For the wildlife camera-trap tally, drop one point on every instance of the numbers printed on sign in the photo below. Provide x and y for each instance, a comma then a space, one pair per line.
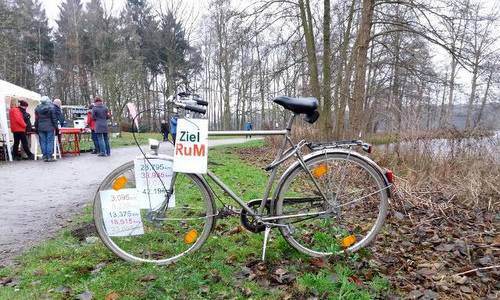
121, 212
156, 191
157, 167
153, 177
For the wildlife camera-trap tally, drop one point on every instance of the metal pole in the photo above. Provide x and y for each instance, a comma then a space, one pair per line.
246, 132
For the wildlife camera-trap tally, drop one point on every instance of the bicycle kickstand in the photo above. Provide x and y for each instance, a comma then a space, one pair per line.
266, 238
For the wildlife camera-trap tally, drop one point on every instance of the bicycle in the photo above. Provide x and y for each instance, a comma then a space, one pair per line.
327, 202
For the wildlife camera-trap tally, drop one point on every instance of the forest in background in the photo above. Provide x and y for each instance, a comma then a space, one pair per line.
371, 63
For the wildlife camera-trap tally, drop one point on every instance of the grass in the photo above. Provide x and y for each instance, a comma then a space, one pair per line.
127, 139
64, 267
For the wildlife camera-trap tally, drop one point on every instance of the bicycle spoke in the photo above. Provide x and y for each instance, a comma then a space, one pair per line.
159, 237
347, 221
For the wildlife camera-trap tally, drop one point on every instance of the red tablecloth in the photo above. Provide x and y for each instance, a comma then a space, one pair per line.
69, 130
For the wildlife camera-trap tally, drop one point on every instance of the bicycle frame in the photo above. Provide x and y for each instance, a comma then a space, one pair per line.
281, 156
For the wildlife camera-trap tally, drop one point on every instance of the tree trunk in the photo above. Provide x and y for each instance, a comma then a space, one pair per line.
360, 69
340, 98
307, 26
326, 114
442, 113
485, 98
449, 110
472, 96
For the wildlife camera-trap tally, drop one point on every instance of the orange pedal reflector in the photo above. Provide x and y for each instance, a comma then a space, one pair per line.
320, 170
191, 236
348, 241
120, 183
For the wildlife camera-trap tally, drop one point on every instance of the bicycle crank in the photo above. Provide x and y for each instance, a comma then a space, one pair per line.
248, 221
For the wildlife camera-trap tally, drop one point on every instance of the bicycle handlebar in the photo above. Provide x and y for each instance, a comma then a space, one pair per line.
192, 108
197, 109
201, 102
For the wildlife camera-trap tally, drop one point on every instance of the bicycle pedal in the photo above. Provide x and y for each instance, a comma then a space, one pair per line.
227, 211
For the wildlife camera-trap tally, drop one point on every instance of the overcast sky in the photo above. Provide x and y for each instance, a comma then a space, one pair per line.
52, 8
193, 7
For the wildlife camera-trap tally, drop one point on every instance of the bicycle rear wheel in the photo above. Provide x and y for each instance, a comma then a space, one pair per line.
124, 214
350, 217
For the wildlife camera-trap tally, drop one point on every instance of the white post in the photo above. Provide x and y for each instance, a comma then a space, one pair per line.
8, 147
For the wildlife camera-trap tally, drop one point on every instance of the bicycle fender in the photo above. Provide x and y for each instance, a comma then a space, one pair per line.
329, 151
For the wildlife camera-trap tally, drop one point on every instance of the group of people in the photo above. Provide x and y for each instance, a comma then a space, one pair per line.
48, 120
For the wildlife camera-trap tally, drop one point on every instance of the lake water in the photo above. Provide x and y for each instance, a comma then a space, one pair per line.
450, 147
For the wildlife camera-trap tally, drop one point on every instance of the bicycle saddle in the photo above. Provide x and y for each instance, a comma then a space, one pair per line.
301, 105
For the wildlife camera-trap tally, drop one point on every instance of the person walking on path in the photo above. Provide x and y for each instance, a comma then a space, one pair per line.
18, 127
45, 126
248, 127
59, 117
164, 130
100, 114
91, 124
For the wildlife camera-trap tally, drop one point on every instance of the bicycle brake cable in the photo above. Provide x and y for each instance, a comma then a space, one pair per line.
145, 156
227, 209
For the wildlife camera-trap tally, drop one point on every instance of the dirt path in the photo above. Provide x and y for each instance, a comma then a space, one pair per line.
38, 198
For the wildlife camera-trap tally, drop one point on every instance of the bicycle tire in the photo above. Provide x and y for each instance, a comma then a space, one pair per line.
317, 239
157, 244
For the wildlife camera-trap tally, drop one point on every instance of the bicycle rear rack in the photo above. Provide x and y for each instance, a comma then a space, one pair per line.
314, 146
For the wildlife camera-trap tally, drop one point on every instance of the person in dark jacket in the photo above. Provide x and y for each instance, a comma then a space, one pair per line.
164, 130
59, 117
173, 126
18, 127
23, 106
91, 124
45, 126
248, 127
100, 114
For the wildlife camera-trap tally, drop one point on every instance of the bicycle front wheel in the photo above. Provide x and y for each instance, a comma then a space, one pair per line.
347, 220
130, 223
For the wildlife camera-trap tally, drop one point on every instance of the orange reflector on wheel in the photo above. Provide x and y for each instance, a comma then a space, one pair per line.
348, 241
191, 236
320, 170
119, 183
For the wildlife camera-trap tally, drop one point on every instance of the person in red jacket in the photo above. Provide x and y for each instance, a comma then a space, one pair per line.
91, 124
18, 128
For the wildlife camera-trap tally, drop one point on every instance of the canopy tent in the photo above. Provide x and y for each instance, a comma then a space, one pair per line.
10, 94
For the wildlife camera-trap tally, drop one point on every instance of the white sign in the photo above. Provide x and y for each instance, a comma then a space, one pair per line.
191, 146
149, 177
121, 212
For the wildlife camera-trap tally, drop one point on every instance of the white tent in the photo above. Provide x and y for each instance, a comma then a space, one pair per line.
8, 92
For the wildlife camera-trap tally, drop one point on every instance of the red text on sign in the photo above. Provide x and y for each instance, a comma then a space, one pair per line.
194, 150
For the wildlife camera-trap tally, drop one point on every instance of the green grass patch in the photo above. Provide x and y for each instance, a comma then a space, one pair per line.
67, 266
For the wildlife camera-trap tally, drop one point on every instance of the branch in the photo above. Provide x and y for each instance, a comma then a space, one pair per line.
404, 28
477, 269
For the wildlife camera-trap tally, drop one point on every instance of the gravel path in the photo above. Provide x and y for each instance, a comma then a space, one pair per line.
38, 198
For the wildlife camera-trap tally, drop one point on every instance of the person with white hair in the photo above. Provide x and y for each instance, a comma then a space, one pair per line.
45, 126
